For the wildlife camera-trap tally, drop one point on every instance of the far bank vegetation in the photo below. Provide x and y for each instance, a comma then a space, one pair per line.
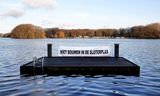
150, 31
25, 31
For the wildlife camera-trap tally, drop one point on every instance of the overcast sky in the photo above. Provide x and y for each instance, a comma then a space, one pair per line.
78, 13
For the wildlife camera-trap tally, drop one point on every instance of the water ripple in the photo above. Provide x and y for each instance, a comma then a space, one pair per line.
16, 52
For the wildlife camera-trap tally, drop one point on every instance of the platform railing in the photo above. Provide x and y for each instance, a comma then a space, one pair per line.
42, 64
34, 64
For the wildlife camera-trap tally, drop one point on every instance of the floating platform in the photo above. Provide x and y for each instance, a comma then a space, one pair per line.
80, 66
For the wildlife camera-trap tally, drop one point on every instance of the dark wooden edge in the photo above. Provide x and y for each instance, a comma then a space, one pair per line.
31, 61
129, 61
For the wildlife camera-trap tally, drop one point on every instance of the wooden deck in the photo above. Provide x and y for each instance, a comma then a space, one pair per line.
81, 65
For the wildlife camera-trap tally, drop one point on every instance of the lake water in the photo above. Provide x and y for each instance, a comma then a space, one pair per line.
15, 52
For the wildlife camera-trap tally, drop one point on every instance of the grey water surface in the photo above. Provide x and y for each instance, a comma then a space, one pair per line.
15, 52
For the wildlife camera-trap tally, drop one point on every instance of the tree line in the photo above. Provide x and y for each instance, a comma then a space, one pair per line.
150, 31
25, 31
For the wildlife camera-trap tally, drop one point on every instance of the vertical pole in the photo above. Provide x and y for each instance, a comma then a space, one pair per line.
116, 50
49, 50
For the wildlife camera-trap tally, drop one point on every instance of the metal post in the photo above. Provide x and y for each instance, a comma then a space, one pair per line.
34, 66
49, 50
42, 61
116, 50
